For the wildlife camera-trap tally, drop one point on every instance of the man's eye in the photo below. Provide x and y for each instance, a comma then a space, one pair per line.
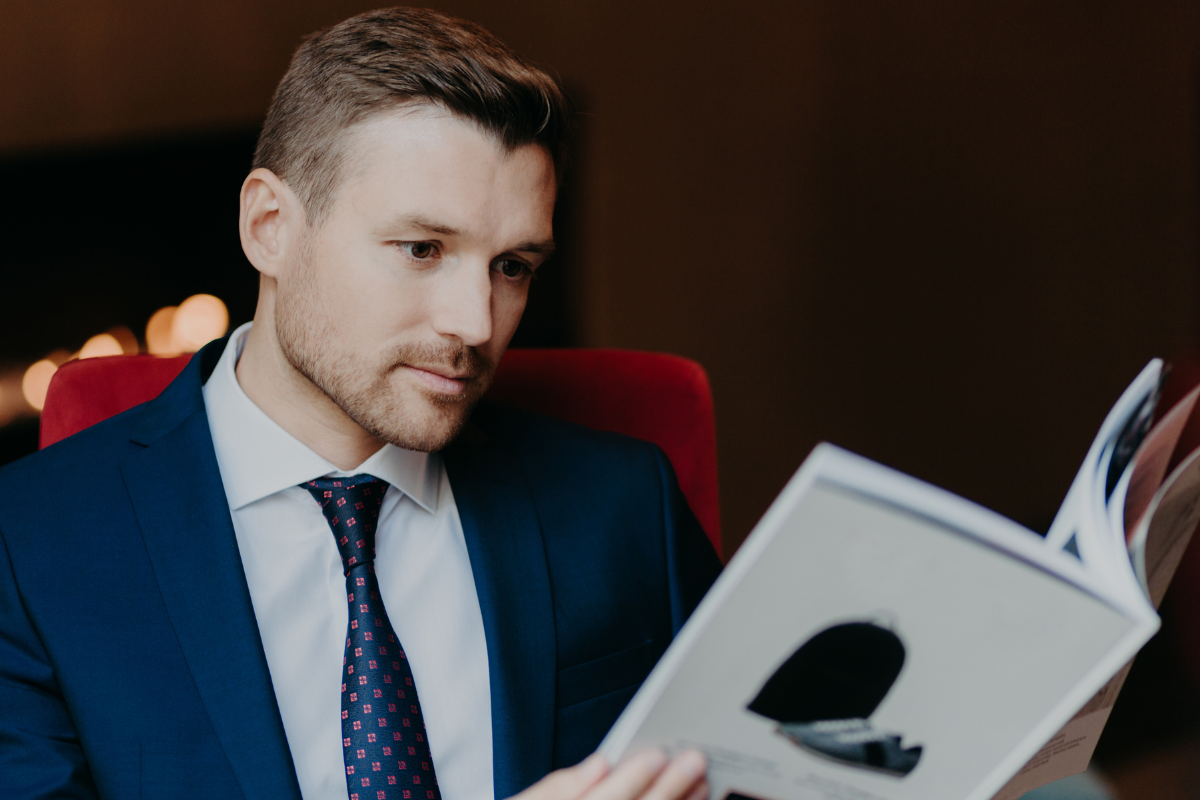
512, 269
420, 250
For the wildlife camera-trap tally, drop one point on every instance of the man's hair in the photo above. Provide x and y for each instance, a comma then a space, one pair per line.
384, 59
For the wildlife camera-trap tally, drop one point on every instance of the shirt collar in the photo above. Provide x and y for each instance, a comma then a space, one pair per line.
258, 458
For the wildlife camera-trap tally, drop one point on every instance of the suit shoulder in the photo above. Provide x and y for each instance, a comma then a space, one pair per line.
79, 455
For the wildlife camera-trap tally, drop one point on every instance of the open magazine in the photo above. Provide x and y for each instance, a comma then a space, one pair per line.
877, 638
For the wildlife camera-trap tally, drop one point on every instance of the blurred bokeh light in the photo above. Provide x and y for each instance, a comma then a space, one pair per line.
187, 327
37, 381
171, 330
159, 339
103, 344
198, 320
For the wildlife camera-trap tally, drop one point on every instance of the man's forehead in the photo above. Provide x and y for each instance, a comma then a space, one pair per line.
429, 169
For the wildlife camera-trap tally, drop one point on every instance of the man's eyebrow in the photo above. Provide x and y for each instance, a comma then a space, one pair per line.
537, 248
424, 224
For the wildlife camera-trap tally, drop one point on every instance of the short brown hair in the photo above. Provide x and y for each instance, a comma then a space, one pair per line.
382, 59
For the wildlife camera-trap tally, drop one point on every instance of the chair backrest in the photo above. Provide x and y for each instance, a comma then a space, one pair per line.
659, 398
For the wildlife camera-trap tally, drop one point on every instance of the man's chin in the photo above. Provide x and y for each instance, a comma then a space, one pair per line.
430, 441
431, 429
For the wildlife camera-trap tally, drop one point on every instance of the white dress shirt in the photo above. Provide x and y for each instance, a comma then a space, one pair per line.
299, 591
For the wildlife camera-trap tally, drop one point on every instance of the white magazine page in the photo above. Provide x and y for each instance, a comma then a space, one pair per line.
1115, 513
1104, 550
859, 648
1067, 521
1093, 541
1070, 750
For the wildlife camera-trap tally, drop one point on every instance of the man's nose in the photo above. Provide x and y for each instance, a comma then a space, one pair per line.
464, 305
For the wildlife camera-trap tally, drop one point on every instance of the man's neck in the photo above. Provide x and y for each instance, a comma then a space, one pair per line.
297, 405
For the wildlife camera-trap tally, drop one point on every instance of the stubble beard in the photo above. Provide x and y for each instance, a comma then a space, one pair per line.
359, 383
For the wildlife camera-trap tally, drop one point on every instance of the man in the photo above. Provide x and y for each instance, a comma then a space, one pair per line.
301, 571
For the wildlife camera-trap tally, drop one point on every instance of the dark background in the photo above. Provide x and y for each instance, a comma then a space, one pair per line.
942, 234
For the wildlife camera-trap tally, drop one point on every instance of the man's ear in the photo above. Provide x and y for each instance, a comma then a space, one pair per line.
271, 221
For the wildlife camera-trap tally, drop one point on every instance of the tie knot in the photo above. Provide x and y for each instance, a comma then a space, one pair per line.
351, 507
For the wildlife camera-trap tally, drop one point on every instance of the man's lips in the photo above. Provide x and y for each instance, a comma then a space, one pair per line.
440, 379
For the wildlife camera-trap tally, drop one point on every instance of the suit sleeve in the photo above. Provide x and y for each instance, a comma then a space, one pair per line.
40, 754
692, 564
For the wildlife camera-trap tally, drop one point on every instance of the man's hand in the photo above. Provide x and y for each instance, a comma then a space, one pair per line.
645, 776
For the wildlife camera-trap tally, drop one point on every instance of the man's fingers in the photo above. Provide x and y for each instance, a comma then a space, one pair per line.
681, 778
590, 771
646, 776
570, 783
700, 792
631, 778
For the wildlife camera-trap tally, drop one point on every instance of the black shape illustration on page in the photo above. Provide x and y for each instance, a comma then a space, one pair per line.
823, 695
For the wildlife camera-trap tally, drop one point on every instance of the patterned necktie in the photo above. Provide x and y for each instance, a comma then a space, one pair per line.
383, 733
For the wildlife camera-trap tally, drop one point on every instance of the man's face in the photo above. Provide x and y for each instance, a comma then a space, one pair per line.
409, 291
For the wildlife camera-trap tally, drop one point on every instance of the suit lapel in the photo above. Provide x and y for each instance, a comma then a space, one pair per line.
508, 560
179, 501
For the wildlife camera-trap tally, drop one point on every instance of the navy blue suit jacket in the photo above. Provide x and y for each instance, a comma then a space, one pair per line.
130, 661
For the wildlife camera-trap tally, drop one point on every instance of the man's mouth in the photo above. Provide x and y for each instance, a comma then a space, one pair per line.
442, 380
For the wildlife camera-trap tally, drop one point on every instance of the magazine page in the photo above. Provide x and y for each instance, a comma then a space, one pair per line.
1100, 532
1162, 537
1167, 522
1149, 467
1073, 526
878, 638
1105, 545
1069, 751
1138, 497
